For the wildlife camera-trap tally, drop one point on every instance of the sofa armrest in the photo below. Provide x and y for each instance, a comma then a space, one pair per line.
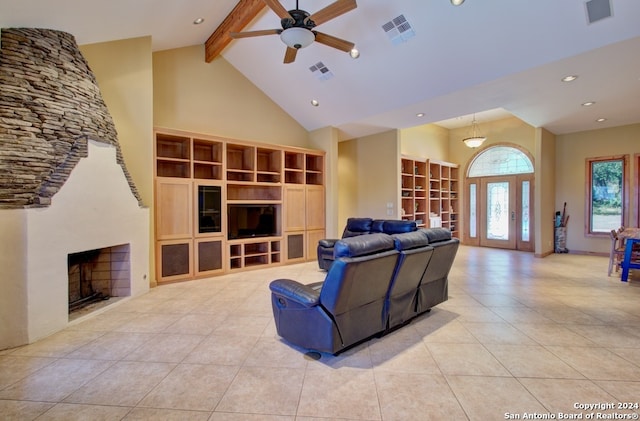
295, 291
328, 242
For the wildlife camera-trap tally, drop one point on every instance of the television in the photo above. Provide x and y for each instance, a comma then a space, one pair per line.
248, 221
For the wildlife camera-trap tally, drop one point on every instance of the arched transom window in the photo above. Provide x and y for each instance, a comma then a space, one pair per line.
500, 160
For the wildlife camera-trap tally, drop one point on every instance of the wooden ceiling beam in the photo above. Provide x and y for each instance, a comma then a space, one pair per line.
244, 12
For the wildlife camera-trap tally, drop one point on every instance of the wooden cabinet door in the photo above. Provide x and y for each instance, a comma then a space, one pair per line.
315, 208
294, 208
174, 209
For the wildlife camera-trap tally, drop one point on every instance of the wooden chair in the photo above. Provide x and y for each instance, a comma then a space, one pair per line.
616, 254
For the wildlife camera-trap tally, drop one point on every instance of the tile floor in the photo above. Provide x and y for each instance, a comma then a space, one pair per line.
519, 337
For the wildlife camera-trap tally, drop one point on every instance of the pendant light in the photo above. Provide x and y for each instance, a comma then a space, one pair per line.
476, 140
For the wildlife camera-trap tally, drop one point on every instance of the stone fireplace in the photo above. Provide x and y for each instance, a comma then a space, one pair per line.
64, 186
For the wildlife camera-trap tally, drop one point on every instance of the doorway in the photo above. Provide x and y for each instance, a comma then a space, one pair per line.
499, 205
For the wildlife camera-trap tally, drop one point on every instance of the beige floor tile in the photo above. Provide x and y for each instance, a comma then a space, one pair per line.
490, 398
583, 324
149, 323
452, 332
111, 346
58, 344
243, 325
197, 323
560, 395
466, 359
22, 410
154, 414
497, 333
607, 336
272, 352
626, 392
532, 361
553, 334
55, 381
259, 390
227, 416
597, 363
222, 349
402, 356
75, 412
344, 393
192, 387
14, 368
168, 348
123, 384
407, 396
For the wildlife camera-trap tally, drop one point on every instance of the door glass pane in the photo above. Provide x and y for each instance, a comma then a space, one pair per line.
498, 211
473, 231
525, 211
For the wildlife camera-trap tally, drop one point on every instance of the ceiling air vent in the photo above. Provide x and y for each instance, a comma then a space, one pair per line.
321, 71
598, 9
398, 30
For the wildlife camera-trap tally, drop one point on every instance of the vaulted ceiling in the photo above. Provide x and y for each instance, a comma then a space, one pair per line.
490, 57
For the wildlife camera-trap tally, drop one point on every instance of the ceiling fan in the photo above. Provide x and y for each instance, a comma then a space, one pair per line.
297, 27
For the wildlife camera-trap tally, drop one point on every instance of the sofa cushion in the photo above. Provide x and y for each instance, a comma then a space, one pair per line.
410, 240
437, 234
363, 245
396, 227
357, 226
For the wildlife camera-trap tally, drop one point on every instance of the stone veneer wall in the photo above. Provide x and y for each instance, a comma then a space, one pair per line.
50, 103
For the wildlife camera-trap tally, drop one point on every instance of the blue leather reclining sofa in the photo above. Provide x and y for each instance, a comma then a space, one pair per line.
361, 226
377, 283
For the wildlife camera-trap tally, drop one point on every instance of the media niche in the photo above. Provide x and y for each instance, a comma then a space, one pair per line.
249, 221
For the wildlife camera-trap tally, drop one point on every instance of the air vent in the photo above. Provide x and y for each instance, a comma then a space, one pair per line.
598, 9
398, 30
321, 71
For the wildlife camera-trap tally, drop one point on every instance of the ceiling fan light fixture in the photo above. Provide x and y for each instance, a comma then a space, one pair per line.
457, 2
297, 37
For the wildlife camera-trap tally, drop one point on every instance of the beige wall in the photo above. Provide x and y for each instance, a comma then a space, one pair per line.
571, 152
544, 192
369, 169
214, 98
124, 73
426, 141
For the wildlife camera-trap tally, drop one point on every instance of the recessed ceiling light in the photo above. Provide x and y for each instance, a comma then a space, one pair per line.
420, 115
600, 120
588, 103
569, 78
354, 53
198, 21
315, 102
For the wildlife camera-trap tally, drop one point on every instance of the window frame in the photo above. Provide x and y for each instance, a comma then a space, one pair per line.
589, 192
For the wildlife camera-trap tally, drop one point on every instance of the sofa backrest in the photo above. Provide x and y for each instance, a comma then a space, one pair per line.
357, 226
355, 287
415, 254
444, 252
393, 226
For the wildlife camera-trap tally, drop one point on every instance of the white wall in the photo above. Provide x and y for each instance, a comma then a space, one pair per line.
94, 209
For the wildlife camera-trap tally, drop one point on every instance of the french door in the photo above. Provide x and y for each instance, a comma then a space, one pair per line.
499, 212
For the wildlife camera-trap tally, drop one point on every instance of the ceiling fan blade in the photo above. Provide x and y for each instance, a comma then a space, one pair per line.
333, 10
278, 9
254, 33
334, 42
290, 55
